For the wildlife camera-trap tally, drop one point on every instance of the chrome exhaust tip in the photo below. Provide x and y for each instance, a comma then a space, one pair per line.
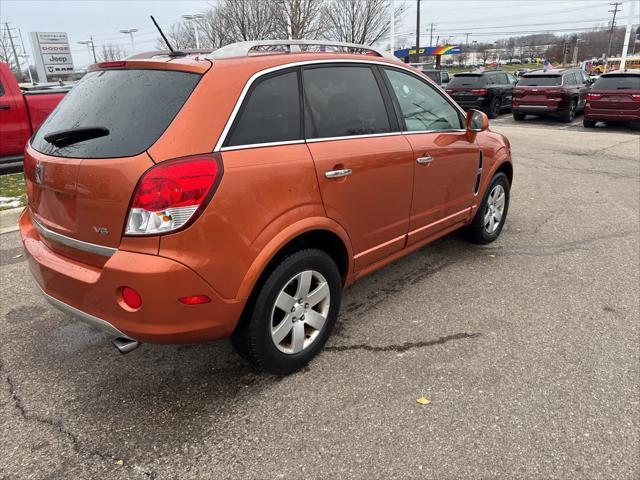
125, 345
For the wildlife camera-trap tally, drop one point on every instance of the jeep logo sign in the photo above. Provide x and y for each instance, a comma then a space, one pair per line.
52, 55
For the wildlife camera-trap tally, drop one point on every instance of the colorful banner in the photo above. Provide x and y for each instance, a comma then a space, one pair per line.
427, 51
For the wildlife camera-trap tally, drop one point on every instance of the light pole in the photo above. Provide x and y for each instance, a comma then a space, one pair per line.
194, 21
130, 32
90, 44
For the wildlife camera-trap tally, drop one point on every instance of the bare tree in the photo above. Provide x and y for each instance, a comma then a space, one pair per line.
299, 18
248, 20
6, 53
110, 52
358, 21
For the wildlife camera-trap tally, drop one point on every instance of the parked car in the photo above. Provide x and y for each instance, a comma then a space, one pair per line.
21, 113
615, 98
441, 77
234, 194
490, 91
561, 92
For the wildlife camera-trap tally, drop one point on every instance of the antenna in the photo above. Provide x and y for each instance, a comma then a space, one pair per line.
173, 53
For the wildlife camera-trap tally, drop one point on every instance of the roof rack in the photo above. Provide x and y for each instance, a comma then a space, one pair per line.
166, 53
257, 47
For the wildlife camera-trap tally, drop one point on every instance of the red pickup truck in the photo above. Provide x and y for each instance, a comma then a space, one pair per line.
21, 113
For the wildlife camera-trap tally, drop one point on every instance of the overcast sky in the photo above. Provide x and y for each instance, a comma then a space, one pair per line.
484, 20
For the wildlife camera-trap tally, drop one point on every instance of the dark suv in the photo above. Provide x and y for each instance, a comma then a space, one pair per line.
559, 92
489, 91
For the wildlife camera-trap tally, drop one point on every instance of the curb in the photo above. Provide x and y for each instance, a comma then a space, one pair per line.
9, 219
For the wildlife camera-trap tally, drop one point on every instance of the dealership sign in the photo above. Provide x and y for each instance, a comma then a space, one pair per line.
52, 54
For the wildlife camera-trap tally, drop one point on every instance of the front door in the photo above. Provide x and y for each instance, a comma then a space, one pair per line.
364, 166
445, 161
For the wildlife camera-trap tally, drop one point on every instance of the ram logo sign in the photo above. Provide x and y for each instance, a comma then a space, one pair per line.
52, 54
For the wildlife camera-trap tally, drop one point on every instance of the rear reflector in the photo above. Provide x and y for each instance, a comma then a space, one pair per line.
194, 299
171, 195
131, 297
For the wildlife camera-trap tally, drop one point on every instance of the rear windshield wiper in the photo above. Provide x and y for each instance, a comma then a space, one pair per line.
70, 136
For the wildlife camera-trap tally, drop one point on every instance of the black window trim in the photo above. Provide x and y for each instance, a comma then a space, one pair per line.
235, 112
396, 104
245, 101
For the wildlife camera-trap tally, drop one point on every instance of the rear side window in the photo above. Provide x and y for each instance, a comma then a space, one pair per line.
421, 107
132, 107
271, 113
467, 81
1, 89
541, 81
343, 101
618, 82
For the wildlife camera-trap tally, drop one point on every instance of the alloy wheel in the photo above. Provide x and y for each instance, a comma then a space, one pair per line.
494, 209
300, 312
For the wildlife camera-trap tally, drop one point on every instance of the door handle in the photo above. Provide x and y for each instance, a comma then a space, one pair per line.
4, 107
424, 160
338, 173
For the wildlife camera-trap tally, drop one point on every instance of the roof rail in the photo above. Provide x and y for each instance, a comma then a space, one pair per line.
161, 53
243, 49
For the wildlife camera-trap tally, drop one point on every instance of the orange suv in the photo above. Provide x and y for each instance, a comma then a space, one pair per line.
188, 197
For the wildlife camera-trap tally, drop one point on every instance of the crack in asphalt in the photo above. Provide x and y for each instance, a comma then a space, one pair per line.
403, 347
57, 425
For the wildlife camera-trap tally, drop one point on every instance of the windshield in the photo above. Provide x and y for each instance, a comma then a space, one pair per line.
114, 113
540, 81
618, 82
467, 81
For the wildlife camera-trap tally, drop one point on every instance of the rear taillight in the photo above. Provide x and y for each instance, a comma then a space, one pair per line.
450, 90
171, 195
593, 96
479, 91
635, 97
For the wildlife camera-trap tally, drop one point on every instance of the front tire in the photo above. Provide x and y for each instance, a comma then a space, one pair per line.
492, 212
293, 315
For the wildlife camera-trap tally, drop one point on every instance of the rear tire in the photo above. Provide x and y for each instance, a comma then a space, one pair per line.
519, 116
586, 123
569, 115
282, 334
492, 212
494, 107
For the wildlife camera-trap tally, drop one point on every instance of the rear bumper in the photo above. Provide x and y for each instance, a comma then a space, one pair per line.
92, 293
611, 115
535, 109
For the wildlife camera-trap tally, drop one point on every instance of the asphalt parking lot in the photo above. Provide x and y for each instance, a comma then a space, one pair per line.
528, 350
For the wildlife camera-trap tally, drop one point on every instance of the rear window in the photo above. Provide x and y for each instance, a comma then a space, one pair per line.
134, 106
618, 82
467, 81
541, 81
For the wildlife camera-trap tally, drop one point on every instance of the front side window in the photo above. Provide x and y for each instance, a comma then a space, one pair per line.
271, 112
343, 101
421, 107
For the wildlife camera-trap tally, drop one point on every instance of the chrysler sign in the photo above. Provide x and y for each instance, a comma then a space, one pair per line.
52, 54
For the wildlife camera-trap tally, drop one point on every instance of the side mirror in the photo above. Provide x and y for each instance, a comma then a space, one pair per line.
477, 121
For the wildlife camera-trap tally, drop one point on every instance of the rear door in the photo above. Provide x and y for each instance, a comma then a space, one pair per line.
444, 160
364, 166
86, 159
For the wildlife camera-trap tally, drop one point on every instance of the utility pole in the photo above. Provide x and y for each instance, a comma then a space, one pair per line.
613, 24
13, 47
417, 58
392, 27
627, 35
431, 36
89, 43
